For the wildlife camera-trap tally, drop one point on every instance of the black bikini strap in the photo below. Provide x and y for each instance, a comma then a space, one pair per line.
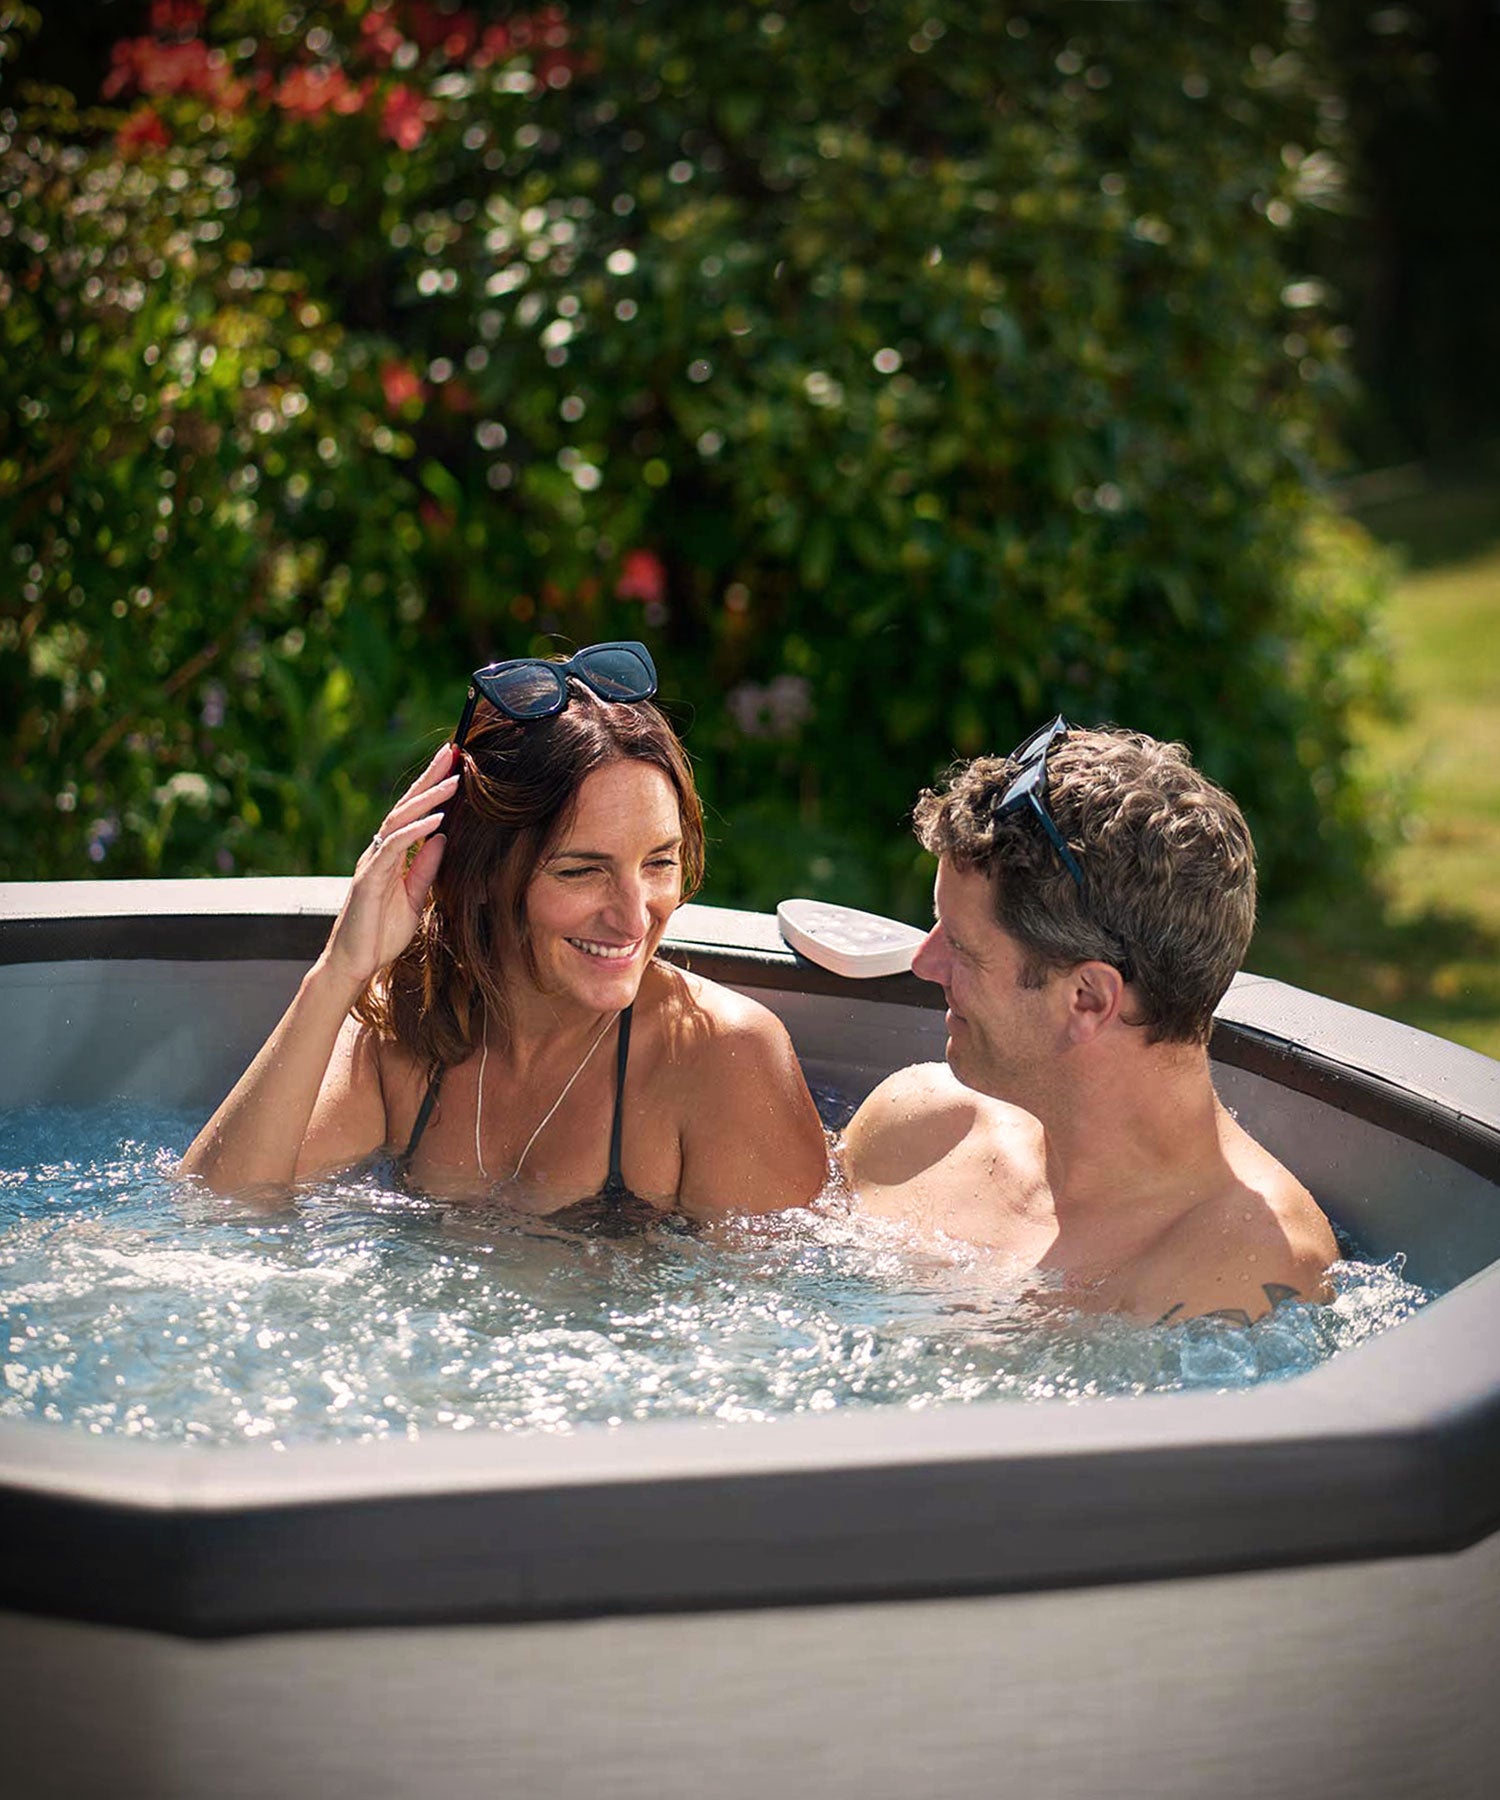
424, 1113
616, 1179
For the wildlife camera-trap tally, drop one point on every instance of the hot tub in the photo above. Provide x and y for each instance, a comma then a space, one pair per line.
1291, 1589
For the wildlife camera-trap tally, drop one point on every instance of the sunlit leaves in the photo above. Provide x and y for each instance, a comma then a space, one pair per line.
944, 360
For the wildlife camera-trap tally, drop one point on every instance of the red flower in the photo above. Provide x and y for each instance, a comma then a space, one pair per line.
141, 131
495, 46
189, 67
454, 33
402, 385
643, 577
308, 92
554, 26
382, 37
405, 117
176, 17
555, 68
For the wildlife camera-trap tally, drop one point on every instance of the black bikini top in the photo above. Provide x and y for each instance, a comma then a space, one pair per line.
614, 1209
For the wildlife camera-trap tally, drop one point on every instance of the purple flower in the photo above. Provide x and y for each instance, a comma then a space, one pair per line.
102, 833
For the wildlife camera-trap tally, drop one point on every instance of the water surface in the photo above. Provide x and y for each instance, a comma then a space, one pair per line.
132, 1304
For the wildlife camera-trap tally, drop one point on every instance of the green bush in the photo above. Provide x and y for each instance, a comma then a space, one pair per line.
903, 373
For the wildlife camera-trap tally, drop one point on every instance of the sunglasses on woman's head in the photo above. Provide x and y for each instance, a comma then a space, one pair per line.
1025, 792
527, 688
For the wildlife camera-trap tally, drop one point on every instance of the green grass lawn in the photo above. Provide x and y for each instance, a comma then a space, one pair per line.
1427, 950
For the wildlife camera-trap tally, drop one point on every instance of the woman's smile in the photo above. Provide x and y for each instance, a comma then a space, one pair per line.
606, 952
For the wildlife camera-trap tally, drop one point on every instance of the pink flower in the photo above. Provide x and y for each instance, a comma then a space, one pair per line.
643, 576
405, 117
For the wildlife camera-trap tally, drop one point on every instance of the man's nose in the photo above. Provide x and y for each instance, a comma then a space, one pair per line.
931, 960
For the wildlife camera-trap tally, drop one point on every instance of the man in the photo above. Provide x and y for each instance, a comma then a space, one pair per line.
1095, 895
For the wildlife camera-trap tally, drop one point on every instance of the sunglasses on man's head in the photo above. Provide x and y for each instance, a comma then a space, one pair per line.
1026, 792
527, 688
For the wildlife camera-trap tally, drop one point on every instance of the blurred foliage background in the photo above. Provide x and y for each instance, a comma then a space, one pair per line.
902, 373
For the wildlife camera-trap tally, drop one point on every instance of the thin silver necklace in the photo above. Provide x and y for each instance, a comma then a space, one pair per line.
484, 1057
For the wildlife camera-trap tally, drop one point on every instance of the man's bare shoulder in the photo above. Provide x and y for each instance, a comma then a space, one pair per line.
916, 1118
1261, 1239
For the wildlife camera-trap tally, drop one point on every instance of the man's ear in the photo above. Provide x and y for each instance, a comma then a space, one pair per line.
1096, 995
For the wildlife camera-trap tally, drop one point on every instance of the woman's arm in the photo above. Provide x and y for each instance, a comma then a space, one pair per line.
751, 1140
257, 1135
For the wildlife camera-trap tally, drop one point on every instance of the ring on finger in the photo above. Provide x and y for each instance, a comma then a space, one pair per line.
377, 843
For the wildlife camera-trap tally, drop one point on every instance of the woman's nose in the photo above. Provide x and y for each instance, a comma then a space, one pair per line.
629, 910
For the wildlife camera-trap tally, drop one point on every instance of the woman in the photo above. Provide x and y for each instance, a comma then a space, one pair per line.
489, 1006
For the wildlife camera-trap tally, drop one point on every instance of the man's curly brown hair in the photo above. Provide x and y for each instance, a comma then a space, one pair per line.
1168, 867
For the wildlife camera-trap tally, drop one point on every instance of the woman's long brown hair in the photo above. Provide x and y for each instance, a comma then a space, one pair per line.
517, 797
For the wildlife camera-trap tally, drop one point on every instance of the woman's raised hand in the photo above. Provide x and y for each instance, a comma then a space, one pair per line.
387, 892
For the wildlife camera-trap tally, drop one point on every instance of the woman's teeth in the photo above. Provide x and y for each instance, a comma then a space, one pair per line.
606, 952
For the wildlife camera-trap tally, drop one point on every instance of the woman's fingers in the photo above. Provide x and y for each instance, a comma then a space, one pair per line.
396, 840
445, 761
396, 870
443, 767
423, 869
416, 803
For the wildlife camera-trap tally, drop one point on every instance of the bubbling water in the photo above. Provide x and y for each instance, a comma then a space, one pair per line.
135, 1305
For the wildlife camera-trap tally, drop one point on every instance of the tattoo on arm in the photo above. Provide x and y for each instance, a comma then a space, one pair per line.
1274, 1291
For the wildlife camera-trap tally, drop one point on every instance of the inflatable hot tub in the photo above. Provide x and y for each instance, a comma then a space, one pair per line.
1291, 1589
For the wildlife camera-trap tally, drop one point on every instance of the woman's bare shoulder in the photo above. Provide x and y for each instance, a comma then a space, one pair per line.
729, 1075
700, 1015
